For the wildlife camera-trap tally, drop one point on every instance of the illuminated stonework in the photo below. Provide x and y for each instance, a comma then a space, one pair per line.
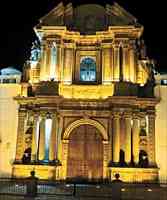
94, 83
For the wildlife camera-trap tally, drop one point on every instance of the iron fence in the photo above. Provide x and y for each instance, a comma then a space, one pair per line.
17, 189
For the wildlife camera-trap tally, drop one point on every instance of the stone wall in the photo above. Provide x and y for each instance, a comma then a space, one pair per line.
161, 131
8, 127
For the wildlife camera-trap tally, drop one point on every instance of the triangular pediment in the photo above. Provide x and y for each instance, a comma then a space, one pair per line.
56, 16
88, 18
118, 16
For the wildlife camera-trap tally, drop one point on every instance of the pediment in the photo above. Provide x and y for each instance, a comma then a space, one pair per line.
88, 18
118, 16
54, 17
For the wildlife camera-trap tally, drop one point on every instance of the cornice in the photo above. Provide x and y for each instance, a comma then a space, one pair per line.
112, 32
105, 104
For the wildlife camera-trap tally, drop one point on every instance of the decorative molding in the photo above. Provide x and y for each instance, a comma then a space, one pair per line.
80, 122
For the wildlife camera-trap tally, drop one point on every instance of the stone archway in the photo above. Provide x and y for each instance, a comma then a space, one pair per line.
80, 122
84, 135
85, 153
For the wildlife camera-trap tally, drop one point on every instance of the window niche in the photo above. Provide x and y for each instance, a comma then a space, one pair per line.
87, 68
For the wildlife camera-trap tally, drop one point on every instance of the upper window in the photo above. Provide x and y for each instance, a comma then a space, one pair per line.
12, 80
88, 69
164, 82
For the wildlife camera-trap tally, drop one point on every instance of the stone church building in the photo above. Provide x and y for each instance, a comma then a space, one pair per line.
86, 104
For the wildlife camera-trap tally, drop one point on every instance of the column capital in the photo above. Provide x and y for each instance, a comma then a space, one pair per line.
49, 43
116, 43
65, 141
44, 43
136, 116
35, 114
116, 115
132, 44
22, 113
54, 115
116, 46
127, 115
59, 116
43, 115
151, 114
105, 142
125, 44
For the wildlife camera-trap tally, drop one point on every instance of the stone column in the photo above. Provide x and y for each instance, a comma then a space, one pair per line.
69, 60
116, 63
53, 139
59, 140
58, 67
132, 65
110, 138
20, 135
48, 59
106, 65
43, 61
53, 61
34, 139
116, 137
126, 70
105, 159
151, 139
112, 63
136, 138
42, 138
127, 118
65, 158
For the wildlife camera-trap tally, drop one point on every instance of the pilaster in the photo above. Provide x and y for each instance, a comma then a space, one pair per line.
34, 139
151, 138
126, 68
43, 60
53, 138
132, 62
116, 138
65, 158
127, 118
105, 159
106, 65
68, 65
42, 137
135, 138
59, 137
48, 59
20, 135
116, 62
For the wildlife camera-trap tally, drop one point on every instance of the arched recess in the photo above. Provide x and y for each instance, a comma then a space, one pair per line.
80, 122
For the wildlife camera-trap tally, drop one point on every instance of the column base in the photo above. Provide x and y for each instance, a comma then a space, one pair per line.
121, 164
55, 163
17, 162
131, 165
133, 175
46, 172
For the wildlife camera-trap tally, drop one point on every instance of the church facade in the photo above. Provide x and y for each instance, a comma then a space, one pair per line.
87, 107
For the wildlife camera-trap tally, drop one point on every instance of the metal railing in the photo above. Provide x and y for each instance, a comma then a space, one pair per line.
18, 187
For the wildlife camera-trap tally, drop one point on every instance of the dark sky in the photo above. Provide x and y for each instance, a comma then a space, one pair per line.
19, 17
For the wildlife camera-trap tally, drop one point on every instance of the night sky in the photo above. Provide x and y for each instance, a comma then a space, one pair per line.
19, 17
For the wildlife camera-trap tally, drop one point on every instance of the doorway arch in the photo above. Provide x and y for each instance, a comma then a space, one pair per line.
100, 131
80, 122
85, 154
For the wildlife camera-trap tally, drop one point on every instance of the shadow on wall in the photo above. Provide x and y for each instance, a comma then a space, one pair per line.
26, 159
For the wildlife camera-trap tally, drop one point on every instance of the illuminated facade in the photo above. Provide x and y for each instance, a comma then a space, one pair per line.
161, 125
9, 87
87, 105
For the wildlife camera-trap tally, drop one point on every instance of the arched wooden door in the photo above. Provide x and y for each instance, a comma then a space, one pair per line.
85, 153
